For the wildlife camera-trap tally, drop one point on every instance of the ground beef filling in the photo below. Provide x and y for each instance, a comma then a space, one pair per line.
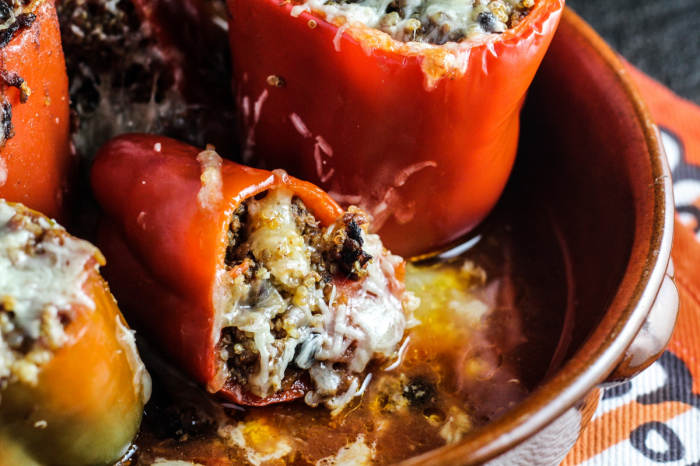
429, 21
100, 37
329, 255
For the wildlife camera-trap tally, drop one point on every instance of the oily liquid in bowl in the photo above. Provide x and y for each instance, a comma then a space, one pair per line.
492, 330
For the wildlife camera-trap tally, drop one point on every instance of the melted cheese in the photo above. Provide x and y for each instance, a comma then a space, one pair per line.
261, 441
43, 282
373, 319
429, 21
211, 193
285, 260
319, 332
273, 229
357, 453
141, 381
457, 426
117, 114
42, 272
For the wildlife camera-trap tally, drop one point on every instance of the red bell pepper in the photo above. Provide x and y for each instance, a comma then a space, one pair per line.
166, 253
422, 139
36, 161
84, 404
165, 233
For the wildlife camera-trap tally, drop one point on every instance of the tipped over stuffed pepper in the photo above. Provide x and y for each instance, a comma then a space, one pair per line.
36, 162
256, 284
72, 384
407, 108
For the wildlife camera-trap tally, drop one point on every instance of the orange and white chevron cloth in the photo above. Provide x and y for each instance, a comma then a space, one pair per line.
655, 418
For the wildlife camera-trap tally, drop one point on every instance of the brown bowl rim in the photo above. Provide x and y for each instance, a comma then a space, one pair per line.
594, 361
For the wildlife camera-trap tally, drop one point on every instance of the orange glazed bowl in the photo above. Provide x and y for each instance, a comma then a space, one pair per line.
585, 223
591, 162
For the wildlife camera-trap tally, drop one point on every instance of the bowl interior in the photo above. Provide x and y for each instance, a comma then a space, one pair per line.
589, 174
589, 156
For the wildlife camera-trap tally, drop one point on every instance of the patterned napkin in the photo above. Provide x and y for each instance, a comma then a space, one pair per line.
655, 418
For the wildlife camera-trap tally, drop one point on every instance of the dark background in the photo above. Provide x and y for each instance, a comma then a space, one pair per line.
660, 37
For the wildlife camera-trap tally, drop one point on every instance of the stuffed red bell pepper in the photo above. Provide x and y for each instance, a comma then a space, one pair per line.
256, 284
408, 108
36, 162
72, 385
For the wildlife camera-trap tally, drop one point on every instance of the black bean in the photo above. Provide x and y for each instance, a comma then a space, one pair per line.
305, 353
487, 21
419, 391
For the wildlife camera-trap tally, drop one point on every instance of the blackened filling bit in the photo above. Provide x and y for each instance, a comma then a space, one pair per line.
7, 129
15, 17
347, 251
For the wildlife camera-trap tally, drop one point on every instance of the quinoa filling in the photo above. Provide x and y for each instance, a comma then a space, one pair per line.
42, 272
428, 21
306, 298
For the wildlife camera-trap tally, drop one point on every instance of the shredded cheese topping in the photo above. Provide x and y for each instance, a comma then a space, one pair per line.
40, 276
293, 323
429, 21
42, 273
211, 194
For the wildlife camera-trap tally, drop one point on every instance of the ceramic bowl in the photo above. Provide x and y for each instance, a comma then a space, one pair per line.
590, 156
